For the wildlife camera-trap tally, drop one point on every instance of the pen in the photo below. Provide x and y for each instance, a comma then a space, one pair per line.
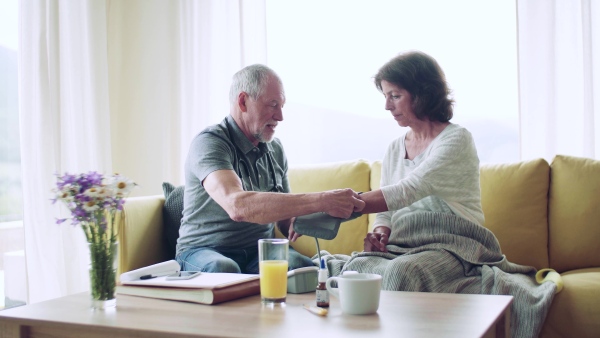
150, 276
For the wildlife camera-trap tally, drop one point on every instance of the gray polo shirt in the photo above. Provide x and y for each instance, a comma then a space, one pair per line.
223, 146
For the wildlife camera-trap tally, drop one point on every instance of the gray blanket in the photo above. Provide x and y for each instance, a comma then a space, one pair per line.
437, 252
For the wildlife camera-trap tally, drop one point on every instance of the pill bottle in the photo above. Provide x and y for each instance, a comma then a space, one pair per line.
322, 294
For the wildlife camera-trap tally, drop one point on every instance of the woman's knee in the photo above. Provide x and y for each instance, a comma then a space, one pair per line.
416, 272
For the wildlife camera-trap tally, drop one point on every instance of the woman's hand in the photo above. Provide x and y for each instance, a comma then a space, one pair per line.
377, 240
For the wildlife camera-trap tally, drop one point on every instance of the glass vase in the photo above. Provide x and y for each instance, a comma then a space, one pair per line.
103, 274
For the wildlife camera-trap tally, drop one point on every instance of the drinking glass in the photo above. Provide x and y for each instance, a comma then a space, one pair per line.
273, 267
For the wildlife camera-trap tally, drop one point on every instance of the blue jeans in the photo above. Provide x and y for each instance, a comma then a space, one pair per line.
232, 260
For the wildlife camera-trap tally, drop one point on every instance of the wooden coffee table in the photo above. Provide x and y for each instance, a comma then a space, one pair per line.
400, 314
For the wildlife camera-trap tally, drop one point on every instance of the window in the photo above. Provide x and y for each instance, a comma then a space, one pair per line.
327, 52
11, 206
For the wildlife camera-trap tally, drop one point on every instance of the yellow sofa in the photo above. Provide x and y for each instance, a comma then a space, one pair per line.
544, 215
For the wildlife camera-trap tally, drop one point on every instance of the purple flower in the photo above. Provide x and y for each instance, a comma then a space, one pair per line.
65, 179
79, 212
82, 198
94, 178
90, 200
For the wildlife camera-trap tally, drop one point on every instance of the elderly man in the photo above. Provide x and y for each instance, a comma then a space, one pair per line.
236, 185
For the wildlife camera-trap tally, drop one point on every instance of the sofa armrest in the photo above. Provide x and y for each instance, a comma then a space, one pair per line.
141, 238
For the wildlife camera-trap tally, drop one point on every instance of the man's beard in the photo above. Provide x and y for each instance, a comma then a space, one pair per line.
262, 138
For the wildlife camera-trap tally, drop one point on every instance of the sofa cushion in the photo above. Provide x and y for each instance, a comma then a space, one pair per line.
172, 214
574, 215
515, 205
329, 176
575, 311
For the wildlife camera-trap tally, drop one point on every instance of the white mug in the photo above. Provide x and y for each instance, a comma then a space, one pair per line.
358, 292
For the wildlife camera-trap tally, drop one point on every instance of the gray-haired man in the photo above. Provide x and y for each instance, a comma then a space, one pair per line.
236, 185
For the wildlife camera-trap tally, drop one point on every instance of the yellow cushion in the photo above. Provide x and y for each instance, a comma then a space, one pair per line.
141, 237
576, 309
574, 217
515, 205
375, 184
329, 176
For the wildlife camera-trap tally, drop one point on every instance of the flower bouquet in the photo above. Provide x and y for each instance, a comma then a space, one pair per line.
94, 202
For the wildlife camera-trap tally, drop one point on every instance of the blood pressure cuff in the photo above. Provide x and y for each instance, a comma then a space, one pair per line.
320, 224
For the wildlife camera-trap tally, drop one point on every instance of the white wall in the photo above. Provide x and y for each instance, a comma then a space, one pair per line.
144, 92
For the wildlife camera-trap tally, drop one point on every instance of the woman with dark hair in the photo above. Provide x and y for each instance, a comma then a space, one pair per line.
434, 166
428, 234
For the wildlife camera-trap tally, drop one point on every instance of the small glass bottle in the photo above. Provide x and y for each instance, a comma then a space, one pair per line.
322, 294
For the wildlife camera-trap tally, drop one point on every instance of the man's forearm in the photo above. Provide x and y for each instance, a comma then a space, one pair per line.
266, 207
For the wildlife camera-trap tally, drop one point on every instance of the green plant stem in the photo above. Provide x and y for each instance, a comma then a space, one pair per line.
101, 236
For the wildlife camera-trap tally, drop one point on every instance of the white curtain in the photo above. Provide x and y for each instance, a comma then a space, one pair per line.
218, 39
117, 86
559, 78
65, 126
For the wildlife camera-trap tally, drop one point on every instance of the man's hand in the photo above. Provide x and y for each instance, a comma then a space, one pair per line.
377, 240
286, 227
342, 202
293, 236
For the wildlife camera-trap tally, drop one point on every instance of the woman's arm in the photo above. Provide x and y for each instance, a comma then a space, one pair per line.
450, 171
375, 202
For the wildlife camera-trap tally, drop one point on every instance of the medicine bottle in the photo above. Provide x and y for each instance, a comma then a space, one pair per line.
322, 294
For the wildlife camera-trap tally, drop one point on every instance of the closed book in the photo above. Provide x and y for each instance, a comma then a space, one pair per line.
207, 288
159, 269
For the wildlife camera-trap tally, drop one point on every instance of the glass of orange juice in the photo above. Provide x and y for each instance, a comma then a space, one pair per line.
273, 267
